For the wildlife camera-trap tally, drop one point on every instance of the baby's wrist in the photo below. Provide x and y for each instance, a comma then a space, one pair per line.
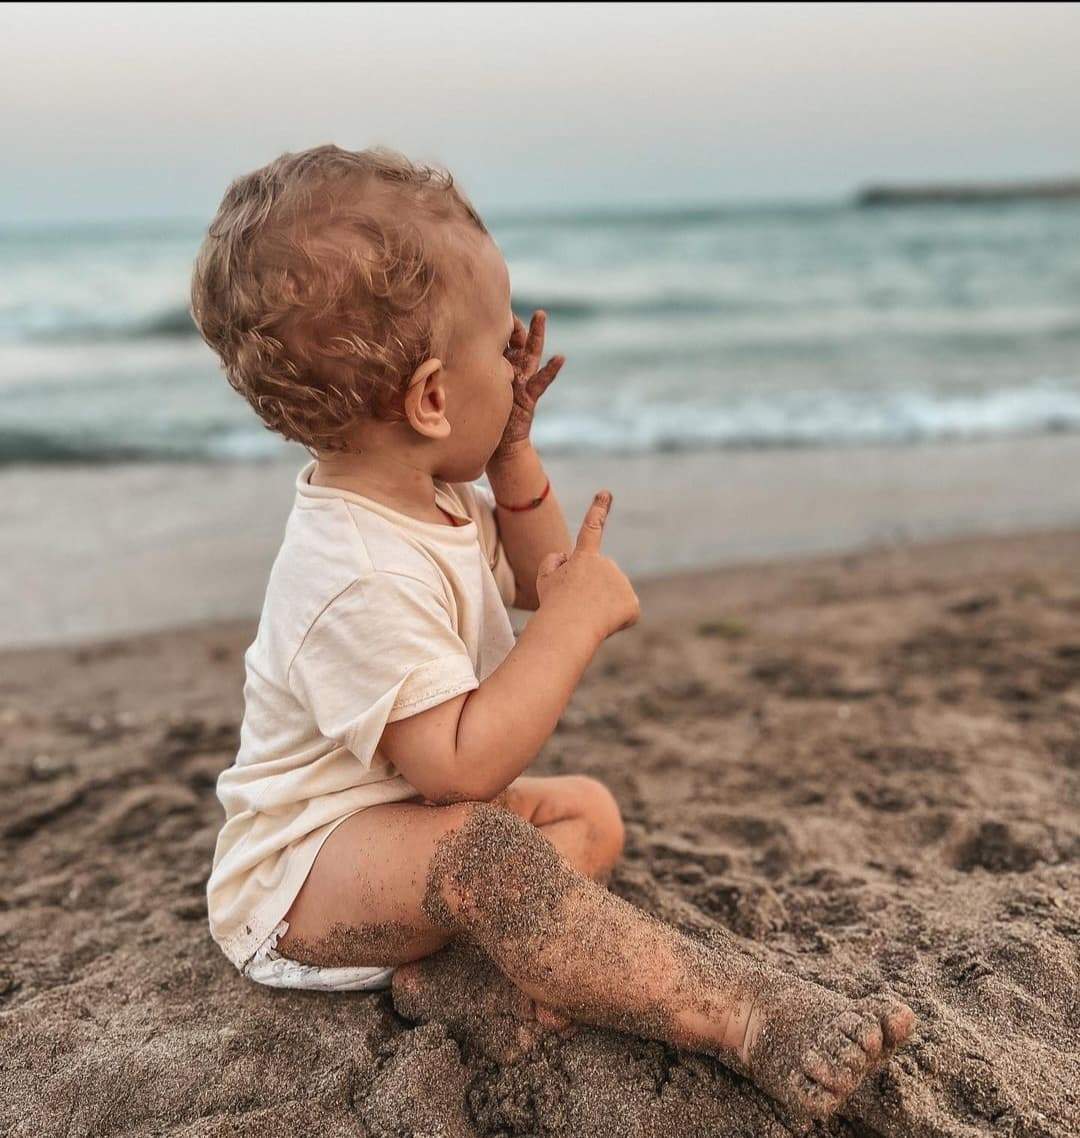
508, 454
518, 476
572, 620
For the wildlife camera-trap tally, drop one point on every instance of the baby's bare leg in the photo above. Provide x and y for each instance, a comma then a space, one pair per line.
364, 894
481, 872
458, 986
362, 905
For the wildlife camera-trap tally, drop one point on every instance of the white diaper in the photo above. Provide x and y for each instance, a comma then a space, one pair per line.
269, 967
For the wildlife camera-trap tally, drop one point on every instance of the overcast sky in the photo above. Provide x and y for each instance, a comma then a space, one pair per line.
118, 111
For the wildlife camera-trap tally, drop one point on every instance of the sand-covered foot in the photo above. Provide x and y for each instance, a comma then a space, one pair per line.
461, 989
810, 1048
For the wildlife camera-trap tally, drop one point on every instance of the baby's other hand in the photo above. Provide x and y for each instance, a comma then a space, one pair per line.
593, 590
530, 381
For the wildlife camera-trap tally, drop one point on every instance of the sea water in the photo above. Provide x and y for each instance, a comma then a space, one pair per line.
735, 326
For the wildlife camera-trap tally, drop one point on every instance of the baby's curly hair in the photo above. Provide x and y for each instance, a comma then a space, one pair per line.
317, 285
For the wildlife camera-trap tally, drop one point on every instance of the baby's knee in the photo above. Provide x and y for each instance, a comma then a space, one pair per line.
603, 813
490, 868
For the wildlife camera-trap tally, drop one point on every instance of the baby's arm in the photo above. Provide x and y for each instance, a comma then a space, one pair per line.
473, 746
527, 536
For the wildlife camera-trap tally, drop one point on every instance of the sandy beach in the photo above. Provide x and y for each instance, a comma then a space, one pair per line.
865, 766
809, 277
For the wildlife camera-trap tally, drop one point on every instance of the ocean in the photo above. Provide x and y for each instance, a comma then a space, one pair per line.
685, 329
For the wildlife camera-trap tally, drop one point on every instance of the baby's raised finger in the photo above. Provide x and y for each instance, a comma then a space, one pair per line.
592, 528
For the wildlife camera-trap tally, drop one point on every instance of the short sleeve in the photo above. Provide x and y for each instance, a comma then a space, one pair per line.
482, 511
383, 650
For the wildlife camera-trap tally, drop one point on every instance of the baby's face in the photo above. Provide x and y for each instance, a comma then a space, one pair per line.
478, 376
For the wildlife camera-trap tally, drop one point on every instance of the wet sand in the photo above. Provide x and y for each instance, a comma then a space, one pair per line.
119, 549
866, 768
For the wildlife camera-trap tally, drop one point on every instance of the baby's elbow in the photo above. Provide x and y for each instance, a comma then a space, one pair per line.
438, 785
450, 796
464, 790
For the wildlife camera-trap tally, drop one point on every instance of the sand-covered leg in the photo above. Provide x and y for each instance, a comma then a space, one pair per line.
574, 946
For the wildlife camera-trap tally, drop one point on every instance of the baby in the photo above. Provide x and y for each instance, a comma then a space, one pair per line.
378, 808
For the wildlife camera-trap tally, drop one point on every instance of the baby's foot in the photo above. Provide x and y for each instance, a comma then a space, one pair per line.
810, 1048
462, 989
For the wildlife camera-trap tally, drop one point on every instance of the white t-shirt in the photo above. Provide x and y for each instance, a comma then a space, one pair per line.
370, 616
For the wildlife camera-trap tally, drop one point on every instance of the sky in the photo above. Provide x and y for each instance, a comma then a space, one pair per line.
116, 111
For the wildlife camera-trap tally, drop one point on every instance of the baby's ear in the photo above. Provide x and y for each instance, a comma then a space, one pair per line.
425, 401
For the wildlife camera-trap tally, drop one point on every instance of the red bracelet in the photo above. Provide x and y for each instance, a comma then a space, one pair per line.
528, 505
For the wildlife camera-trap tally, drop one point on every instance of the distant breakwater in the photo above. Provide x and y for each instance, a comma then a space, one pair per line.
965, 193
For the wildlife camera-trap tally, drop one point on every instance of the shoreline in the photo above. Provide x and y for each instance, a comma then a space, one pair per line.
103, 552
954, 562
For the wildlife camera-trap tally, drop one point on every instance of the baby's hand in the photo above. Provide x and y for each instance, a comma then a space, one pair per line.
593, 589
530, 381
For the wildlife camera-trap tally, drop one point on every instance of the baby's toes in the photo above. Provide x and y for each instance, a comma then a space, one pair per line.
897, 1022
863, 1028
842, 1050
826, 1070
812, 1098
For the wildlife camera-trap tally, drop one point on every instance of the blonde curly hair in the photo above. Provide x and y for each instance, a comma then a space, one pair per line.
317, 285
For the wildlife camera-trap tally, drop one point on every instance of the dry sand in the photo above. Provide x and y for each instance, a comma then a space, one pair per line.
866, 768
